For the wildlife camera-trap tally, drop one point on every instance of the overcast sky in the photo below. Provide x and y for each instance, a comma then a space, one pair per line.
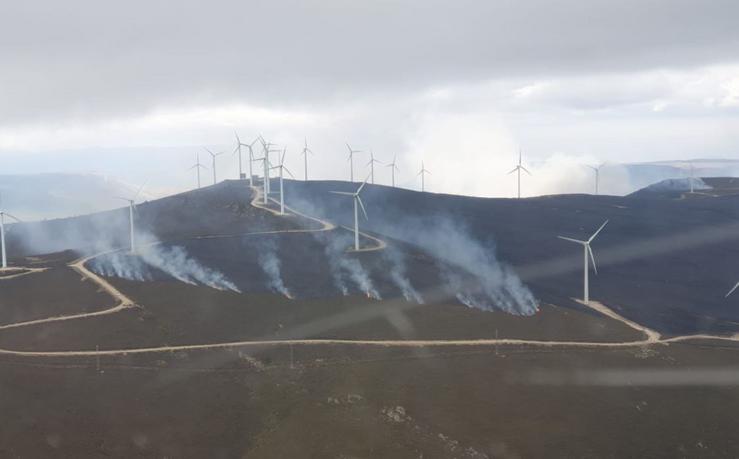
135, 89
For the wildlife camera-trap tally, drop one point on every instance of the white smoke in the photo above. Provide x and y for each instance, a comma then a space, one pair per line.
340, 263
152, 256
270, 264
398, 275
359, 276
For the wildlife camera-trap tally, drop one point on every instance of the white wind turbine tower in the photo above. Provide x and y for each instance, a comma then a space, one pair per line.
240, 144
351, 161
596, 169
197, 166
305, 153
357, 205
266, 166
282, 168
692, 180
423, 173
2, 235
393, 168
587, 252
131, 211
371, 164
519, 168
213, 156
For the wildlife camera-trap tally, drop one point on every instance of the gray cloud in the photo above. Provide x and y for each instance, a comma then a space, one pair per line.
85, 59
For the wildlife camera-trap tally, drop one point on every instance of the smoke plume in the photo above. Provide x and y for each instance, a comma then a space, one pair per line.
270, 264
153, 257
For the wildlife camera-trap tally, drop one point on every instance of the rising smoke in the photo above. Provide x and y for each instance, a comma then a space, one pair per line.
343, 265
152, 258
270, 264
398, 274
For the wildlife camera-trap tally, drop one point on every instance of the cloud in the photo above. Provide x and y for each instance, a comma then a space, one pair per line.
84, 59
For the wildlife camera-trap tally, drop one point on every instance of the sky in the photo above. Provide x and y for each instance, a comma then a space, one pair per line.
136, 89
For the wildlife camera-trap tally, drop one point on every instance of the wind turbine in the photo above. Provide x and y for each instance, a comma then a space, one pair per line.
519, 168
267, 165
692, 181
2, 235
351, 161
423, 173
131, 210
357, 205
371, 164
240, 144
306, 150
282, 168
393, 168
213, 155
596, 169
198, 166
587, 251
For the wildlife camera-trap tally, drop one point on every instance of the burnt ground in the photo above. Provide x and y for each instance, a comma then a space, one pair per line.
57, 291
345, 401
662, 261
676, 400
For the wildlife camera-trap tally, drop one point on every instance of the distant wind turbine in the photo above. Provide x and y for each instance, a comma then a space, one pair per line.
266, 146
371, 164
197, 167
423, 173
131, 211
240, 144
692, 181
282, 168
2, 235
357, 205
518, 169
213, 156
596, 169
306, 151
587, 252
351, 162
393, 168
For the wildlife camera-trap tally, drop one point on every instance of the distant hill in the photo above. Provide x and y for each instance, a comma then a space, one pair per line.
680, 188
642, 175
44, 196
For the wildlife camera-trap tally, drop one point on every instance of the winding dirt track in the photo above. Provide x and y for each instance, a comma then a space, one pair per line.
123, 302
23, 272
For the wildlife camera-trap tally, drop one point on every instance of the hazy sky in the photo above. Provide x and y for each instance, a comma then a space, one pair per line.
134, 89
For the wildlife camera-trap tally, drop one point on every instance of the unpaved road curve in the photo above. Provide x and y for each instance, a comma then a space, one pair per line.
651, 336
24, 272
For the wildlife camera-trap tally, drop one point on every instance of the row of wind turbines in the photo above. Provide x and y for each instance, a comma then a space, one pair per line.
306, 152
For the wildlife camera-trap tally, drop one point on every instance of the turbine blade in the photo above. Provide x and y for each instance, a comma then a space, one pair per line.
732, 290
284, 152
288, 171
13, 217
514, 170
592, 257
359, 190
572, 240
361, 206
525, 170
342, 193
596, 233
141, 188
